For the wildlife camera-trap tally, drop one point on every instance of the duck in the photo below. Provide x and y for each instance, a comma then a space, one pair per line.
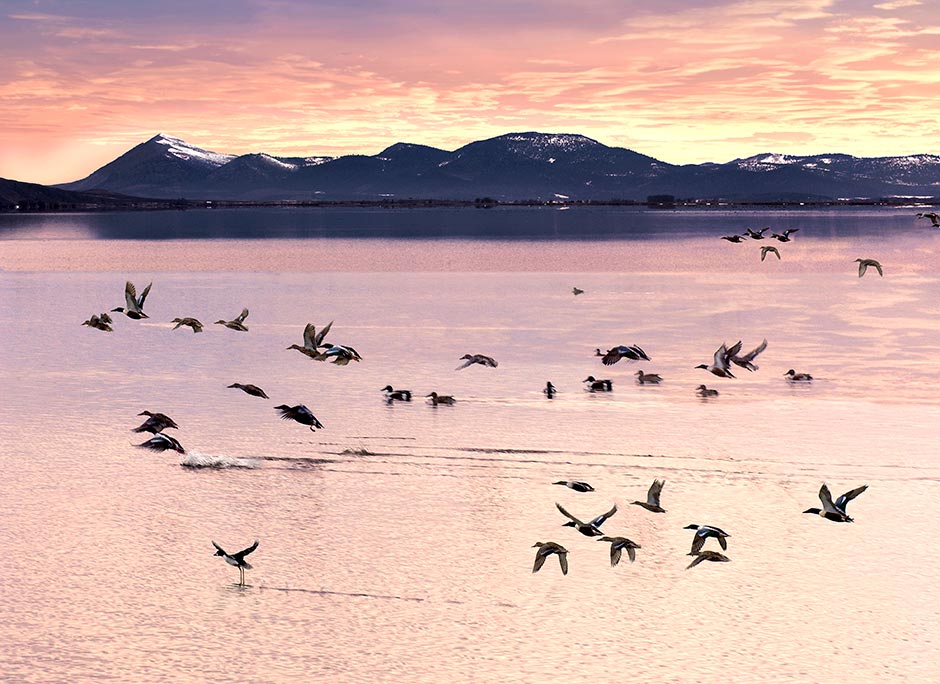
238, 323
162, 442
576, 485
733, 238
445, 399
159, 418
792, 376
341, 354
595, 385
193, 323
98, 323
588, 529
546, 549
756, 234
301, 414
863, 265
835, 511
135, 304
652, 498
236, 559
647, 378
747, 360
932, 216
549, 390
576, 291
713, 556
154, 425
481, 359
704, 391
617, 546
396, 395
785, 235
614, 354
719, 366
704, 532
312, 340
764, 251
253, 390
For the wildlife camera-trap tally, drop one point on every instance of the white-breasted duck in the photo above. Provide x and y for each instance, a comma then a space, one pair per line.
301, 414
704, 391
835, 511
702, 533
617, 547
720, 363
340, 354
652, 498
792, 376
436, 399
237, 323
863, 265
134, 305
576, 485
595, 385
747, 360
482, 359
193, 323
392, 394
756, 234
647, 378
236, 559
713, 556
546, 549
161, 442
253, 390
588, 529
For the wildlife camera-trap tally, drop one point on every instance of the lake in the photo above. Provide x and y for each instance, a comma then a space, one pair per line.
396, 544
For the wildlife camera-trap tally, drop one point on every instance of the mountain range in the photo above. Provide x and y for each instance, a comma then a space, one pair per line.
515, 166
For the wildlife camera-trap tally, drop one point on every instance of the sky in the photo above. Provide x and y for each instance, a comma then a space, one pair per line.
685, 81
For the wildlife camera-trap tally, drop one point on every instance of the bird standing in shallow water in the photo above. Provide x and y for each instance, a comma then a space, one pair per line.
835, 511
702, 533
589, 529
236, 559
301, 414
652, 498
617, 545
545, 549
253, 390
712, 556
238, 323
863, 265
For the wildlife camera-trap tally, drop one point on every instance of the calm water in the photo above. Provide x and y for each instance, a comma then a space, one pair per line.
395, 544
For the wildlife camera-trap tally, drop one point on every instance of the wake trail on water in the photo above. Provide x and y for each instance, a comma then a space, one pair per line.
195, 459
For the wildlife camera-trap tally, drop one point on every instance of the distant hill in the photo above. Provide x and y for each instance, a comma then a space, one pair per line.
515, 166
32, 196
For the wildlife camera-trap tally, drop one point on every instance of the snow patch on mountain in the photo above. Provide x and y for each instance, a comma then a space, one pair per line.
183, 150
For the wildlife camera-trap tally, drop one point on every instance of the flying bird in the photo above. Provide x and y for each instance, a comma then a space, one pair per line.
835, 511
712, 556
576, 485
702, 533
932, 216
193, 323
747, 360
481, 359
588, 529
237, 323
652, 498
253, 390
863, 265
771, 250
159, 419
757, 234
99, 323
313, 340
613, 355
733, 238
546, 549
719, 365
785, 235
617, 546
161, 442
301, 414
135, 304
236, 559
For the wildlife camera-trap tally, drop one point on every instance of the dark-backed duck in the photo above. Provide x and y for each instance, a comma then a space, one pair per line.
193, 323
713, 556
546, 549
595, 385
747, 360
792, 376
703, 391
576, 485
339, 353
703, 533
719, 366
236, 559
481, 359
932, 216
617, 546
588, 529
652, 498
756, 234
614, 354
162, 442
135, 304
576, 291
238, 323
764, 251
550, 390
863, 265
253, 390
785, 235
159, 418
835, 511
733, 238
98, 323
396, 395
445, 399
647, 378
301, 414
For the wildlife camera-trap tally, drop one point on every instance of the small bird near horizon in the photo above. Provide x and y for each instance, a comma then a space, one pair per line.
193, 323
713, 556
576, 291
617, 546
301, 414
863, 265
588, 529
237, 323
481, 359
764, 251
392, 394
436, 399
792, 376
595, 385
135, 304
576, 485
253, 390
647, 378
549, 390
652, 498
747, 360
236, 559
931, 216
835, 511
161, 442
702, 533
703, 391
785, 235
546, 549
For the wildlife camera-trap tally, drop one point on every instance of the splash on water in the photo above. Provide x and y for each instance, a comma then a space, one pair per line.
194, 459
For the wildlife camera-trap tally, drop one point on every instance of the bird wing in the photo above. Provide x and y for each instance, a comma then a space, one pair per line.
843, 500
698, 541
751, 355
319, 338
310, 335
488, 360
219, 548
244, 552
540, 557
143, 296
242, 316
468, 362
566, 513
698, 559
611, 357
631, 551
599, 520
862, 267
720, 359
723, 542
878, 268
639, 352
826, 498
563, 561
615, 553
130, 296
652, 497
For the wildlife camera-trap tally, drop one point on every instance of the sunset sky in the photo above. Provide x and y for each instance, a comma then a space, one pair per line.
684, 81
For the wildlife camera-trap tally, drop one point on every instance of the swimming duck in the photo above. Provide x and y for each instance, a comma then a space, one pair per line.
576, 291
595, 385
237, 559
341, 354
747, 360
193, 323
162, 442
712, 556
238, 323
546, 549
652, 498
312, 340
588, 529
135, 304
863, 265
703, 391
160, 418
733, 238
481, 359
785, 235
835, 511
932, 216
703, 533
301, 414
647, 378
764, 251
719, 365
576, 485
253, 390
98, 323
445, 399
756, 234
396, 395
613, 355
550, 390
617, 546
793, 376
